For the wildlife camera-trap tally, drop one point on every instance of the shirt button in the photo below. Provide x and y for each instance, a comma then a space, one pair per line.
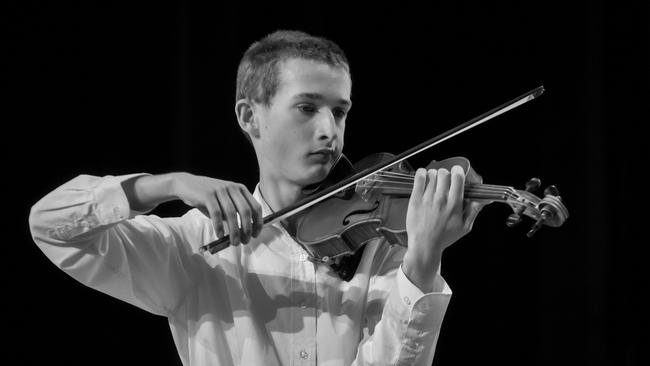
304, 355
407, 300
302, 257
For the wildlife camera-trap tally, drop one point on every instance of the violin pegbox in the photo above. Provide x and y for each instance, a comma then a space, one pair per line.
548, 211
514, 219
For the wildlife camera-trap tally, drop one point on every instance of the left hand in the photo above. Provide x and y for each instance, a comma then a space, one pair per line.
437, 217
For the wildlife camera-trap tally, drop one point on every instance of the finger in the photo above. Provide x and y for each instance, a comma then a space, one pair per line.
471, 212
457, 188
419, 184
473, 177
244, 211
214, 213
256, 209
442, 188
432, 182
230, 214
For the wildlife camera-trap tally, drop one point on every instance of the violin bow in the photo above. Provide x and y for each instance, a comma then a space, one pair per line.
223, 242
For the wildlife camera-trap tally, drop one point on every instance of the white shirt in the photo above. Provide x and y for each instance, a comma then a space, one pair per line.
262, 303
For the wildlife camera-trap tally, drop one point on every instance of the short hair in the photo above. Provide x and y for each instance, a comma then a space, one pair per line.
258, 75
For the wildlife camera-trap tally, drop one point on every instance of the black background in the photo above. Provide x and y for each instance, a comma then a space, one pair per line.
113, 88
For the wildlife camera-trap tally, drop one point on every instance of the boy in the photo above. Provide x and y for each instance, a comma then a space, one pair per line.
264, 302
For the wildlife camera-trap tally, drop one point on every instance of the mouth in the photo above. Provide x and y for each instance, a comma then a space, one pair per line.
322, 155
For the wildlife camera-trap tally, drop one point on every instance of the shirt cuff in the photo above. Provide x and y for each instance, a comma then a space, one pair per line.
409, 293
112, 202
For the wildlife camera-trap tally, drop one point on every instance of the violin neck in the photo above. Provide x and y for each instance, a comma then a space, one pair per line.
479, 191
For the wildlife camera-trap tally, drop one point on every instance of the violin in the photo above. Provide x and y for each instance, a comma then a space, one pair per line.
358, 203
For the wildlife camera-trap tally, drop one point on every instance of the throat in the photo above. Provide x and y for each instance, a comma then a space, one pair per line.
279, 196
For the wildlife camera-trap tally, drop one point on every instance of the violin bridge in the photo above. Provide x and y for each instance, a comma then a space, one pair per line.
364, 188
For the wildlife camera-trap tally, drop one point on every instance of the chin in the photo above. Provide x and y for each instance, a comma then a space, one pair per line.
315, 174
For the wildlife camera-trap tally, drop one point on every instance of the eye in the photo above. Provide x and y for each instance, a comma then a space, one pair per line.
307, 108
339, 113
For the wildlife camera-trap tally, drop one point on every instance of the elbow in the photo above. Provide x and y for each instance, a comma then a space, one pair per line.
50, 237
37, 227
45, 228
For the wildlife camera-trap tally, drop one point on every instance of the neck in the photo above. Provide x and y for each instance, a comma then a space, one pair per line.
279, 194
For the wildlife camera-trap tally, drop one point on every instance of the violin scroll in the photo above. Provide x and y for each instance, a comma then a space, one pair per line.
548, 211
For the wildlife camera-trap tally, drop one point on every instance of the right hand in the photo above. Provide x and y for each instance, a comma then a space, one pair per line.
222, 200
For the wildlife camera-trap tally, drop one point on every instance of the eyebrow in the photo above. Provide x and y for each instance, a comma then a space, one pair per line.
317, 96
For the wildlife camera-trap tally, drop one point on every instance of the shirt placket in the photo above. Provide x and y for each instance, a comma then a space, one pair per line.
304, 298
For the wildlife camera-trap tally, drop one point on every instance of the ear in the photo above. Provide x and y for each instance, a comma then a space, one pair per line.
247, 118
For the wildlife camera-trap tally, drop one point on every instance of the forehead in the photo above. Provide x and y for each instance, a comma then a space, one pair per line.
299, 76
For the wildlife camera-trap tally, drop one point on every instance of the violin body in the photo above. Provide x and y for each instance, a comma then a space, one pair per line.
340, 225
376, 207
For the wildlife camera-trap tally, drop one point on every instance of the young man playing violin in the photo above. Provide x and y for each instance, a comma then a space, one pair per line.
262, 301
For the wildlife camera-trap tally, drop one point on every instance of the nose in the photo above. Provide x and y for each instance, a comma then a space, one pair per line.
326, 128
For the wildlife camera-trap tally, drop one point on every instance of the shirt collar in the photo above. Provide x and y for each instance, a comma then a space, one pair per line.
257, 194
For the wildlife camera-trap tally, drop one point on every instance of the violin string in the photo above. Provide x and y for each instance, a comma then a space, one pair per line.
381, 174
395, 174
408, 179
391, 184
468, 190
481, 184
398, 176
475, 186
503, 196
472, 188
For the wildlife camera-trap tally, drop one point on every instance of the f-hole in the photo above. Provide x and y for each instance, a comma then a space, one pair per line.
346, 219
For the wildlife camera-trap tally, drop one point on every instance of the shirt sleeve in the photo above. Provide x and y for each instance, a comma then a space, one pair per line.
87, 229
405, 330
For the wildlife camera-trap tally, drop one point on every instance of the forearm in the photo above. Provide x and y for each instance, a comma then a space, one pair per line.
87, 228
421, 269
148, 191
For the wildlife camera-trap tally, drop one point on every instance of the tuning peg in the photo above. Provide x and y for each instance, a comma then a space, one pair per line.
514, 218
546, 212
544, 216
551, 191
533, 184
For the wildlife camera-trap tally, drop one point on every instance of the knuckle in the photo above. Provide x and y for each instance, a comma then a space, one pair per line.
439, 200
232, 218
213, 207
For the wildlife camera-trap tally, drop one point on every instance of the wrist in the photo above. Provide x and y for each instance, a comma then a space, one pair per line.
146, 192
421, 268
172, 183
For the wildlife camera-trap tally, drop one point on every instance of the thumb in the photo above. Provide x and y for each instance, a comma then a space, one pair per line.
470, 213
